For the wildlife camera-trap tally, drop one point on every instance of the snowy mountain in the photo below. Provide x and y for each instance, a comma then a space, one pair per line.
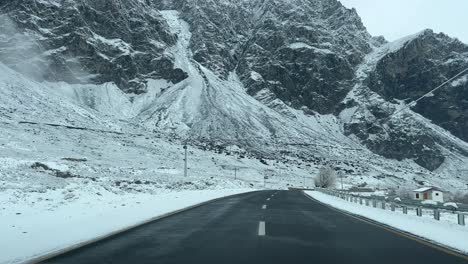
411, 134
421, 65
88, 41
304, 52
296, 84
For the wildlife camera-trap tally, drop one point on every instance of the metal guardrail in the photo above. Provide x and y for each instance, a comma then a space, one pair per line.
385, 205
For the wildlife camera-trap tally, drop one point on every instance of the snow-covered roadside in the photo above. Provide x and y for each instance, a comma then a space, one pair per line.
440, 232
28, 232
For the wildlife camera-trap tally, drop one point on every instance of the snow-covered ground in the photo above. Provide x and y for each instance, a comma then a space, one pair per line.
445, 232
59, 185
69, 151
33, 228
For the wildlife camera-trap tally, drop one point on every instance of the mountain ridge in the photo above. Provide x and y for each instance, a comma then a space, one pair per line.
265, 75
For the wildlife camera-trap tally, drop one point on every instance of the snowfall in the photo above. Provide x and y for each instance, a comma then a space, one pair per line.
74, 156
445, 232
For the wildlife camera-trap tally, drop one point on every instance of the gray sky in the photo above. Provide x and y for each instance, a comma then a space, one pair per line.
398, 18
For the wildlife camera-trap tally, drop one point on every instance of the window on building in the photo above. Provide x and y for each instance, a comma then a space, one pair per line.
437, 194
417, 196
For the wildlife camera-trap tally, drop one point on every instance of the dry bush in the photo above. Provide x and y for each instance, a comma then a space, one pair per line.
326, 178
460, 197
404, 192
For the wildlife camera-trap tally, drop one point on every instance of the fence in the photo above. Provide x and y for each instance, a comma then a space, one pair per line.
395, 206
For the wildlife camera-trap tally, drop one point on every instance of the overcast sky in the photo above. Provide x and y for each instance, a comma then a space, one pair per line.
398, 18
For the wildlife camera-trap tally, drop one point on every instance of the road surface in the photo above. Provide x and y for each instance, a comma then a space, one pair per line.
260, 227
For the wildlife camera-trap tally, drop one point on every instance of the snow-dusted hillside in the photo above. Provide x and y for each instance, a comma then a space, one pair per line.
276, 95
391, 128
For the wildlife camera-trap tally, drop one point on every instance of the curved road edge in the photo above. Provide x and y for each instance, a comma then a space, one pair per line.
65, 250
419, 239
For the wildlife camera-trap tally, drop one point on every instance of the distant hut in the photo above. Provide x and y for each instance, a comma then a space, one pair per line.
429, 194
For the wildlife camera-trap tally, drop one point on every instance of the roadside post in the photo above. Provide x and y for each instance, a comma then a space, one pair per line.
405, 209
461, 219
419, 211
436, 214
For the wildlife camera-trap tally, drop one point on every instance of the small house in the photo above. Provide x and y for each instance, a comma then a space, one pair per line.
429, 193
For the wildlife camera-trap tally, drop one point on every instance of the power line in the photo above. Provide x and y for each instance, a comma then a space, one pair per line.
428, 94
414, 102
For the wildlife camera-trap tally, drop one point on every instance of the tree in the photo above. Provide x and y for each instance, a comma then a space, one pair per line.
459, 197
326, 178
404, 192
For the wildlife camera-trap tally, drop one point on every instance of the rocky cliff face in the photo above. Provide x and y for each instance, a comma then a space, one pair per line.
291, 71
421, 65
395, 75
304, 52
79, 41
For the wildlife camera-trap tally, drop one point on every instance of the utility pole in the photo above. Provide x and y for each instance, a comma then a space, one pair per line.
341, 178
185, 160
277, 151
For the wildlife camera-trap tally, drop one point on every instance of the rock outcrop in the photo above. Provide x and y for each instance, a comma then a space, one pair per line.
81, 41
420, 66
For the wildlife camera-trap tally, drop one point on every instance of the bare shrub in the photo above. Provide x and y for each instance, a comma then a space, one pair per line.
326, 178
460, 197
404, 192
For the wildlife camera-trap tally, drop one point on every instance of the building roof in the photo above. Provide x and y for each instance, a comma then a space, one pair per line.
426, 189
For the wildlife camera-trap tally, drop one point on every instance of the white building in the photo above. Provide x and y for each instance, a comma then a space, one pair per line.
429, 193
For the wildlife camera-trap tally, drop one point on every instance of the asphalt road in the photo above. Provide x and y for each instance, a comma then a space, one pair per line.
261, 227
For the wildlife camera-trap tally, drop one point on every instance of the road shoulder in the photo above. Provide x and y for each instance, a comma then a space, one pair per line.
55, 232
449, 238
